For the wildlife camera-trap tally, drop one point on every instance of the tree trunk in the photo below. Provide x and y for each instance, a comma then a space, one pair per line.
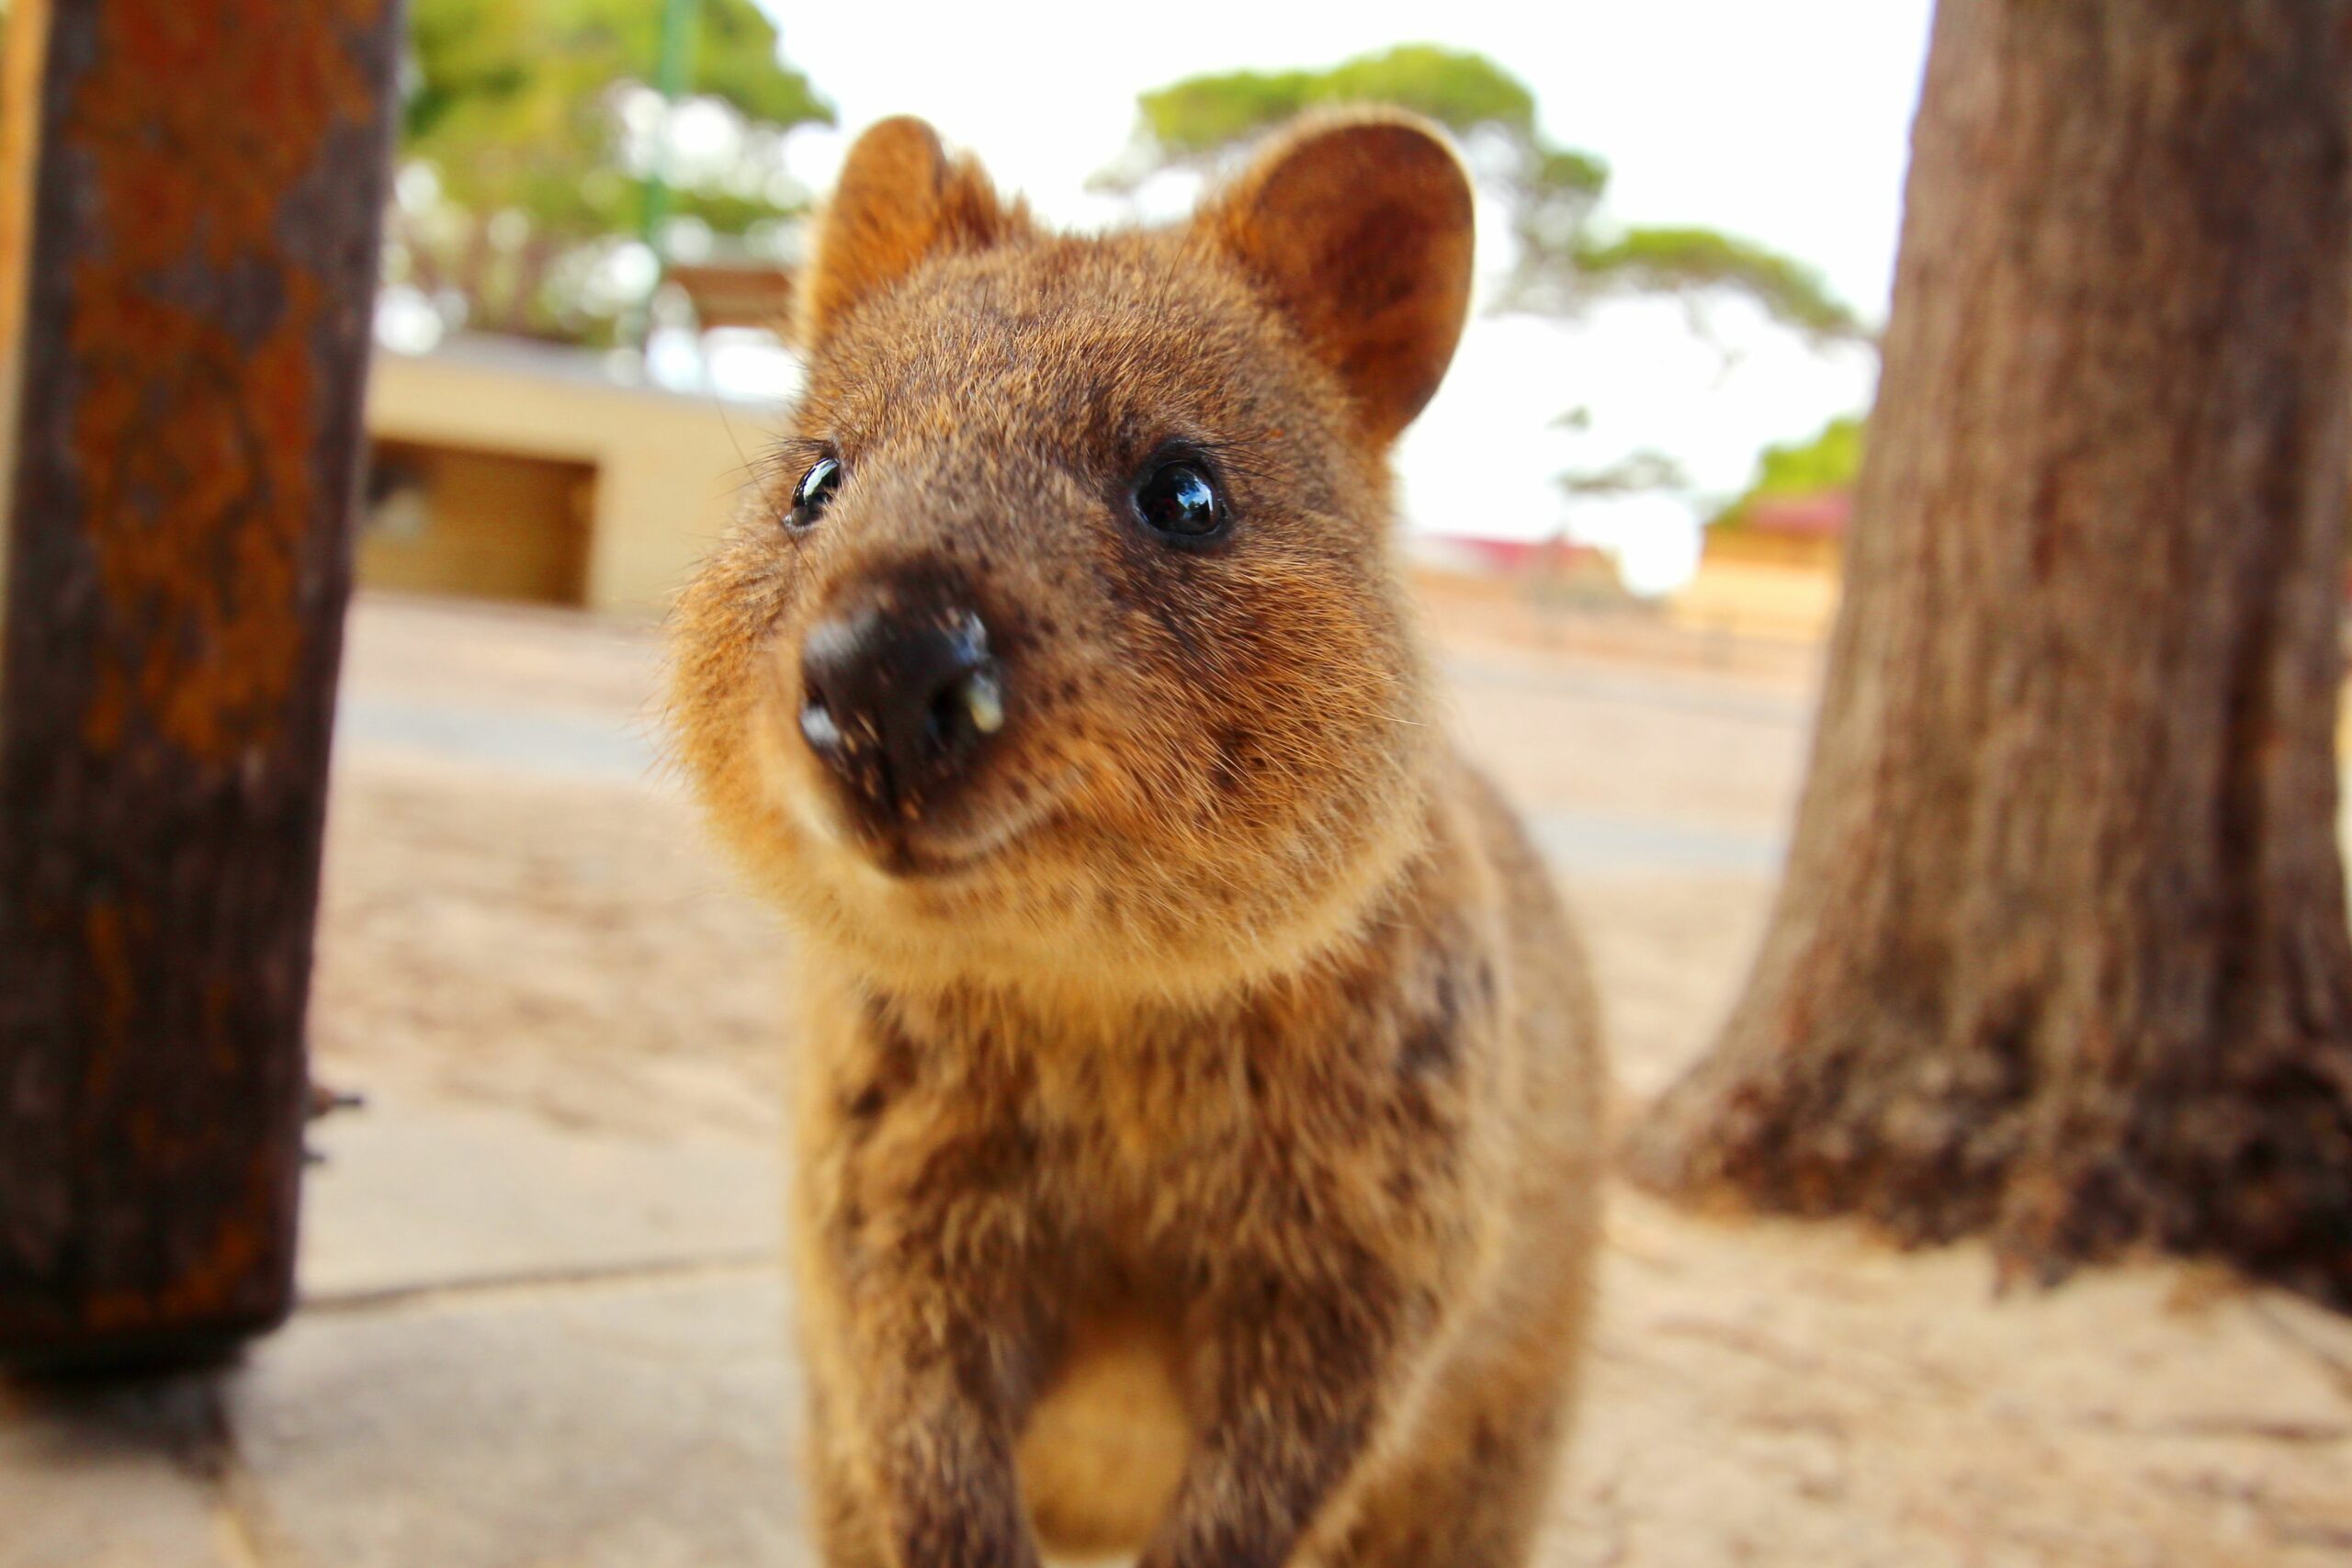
2061, 956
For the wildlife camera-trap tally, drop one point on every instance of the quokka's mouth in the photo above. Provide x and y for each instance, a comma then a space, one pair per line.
916, 853
979, 847
968, 839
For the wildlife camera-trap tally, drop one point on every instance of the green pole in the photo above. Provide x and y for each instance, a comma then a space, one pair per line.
678, 18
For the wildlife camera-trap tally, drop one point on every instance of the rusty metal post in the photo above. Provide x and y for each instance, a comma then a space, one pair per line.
24, 44
206, 200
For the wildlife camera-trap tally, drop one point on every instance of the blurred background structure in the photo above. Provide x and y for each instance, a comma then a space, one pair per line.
539, 1317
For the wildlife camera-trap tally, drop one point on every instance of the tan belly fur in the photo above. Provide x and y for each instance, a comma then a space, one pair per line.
1105, 1445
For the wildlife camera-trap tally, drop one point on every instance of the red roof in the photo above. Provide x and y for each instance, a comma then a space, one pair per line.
1505, 554
1824, 516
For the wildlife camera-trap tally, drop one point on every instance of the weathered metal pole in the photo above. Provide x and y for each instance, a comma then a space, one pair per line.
206, 200
24, 44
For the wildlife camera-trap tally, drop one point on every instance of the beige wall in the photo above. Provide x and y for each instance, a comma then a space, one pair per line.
1763, 585
668, 468
1745, 598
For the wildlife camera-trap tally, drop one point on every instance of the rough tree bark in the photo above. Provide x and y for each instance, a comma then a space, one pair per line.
2061, 956
201, 272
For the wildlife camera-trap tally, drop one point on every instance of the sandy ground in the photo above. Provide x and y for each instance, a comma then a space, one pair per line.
519, 911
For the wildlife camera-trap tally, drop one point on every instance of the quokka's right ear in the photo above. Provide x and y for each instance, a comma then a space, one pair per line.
1357, 227
900, 199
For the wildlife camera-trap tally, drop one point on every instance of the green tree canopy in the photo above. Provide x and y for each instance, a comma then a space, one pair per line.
1682, 261
1552, 192
1831, 459
518, 110
1204, 115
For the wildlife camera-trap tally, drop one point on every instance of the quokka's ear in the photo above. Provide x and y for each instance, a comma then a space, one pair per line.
1358, 228
900, 199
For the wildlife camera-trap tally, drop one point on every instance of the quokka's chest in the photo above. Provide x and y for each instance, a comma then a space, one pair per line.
1136, 1157
1083, 1134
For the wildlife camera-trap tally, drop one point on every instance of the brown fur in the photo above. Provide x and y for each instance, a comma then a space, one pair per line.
1194, 1111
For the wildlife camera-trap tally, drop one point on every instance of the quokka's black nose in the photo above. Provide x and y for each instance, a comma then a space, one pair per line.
899, 690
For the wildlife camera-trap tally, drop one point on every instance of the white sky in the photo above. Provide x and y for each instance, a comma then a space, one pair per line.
1786, 123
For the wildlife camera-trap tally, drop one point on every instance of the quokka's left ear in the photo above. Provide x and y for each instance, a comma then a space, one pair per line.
900, 199
1357, 227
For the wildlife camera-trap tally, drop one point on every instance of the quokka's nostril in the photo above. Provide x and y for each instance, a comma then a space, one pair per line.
984, 700
944, 724
817, 725
967, 707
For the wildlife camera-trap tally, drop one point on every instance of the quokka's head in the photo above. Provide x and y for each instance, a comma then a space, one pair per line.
1065, 646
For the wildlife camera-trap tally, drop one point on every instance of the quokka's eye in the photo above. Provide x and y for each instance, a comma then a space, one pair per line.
1179, 501
814, 493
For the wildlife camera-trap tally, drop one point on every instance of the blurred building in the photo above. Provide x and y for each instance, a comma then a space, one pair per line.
1775, 572
507, 468
735, 293
1556, 569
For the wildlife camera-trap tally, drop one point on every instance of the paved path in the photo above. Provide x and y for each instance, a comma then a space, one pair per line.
587, 744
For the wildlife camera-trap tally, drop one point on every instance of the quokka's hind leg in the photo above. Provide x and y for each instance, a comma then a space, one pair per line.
1466, 1491
1470, 1501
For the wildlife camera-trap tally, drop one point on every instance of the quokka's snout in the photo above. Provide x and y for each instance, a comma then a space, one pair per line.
900, 689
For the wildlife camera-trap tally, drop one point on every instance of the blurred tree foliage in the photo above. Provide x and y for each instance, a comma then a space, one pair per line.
1638, 472
1553, 193
533, 128
1830, 460
1683, 260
